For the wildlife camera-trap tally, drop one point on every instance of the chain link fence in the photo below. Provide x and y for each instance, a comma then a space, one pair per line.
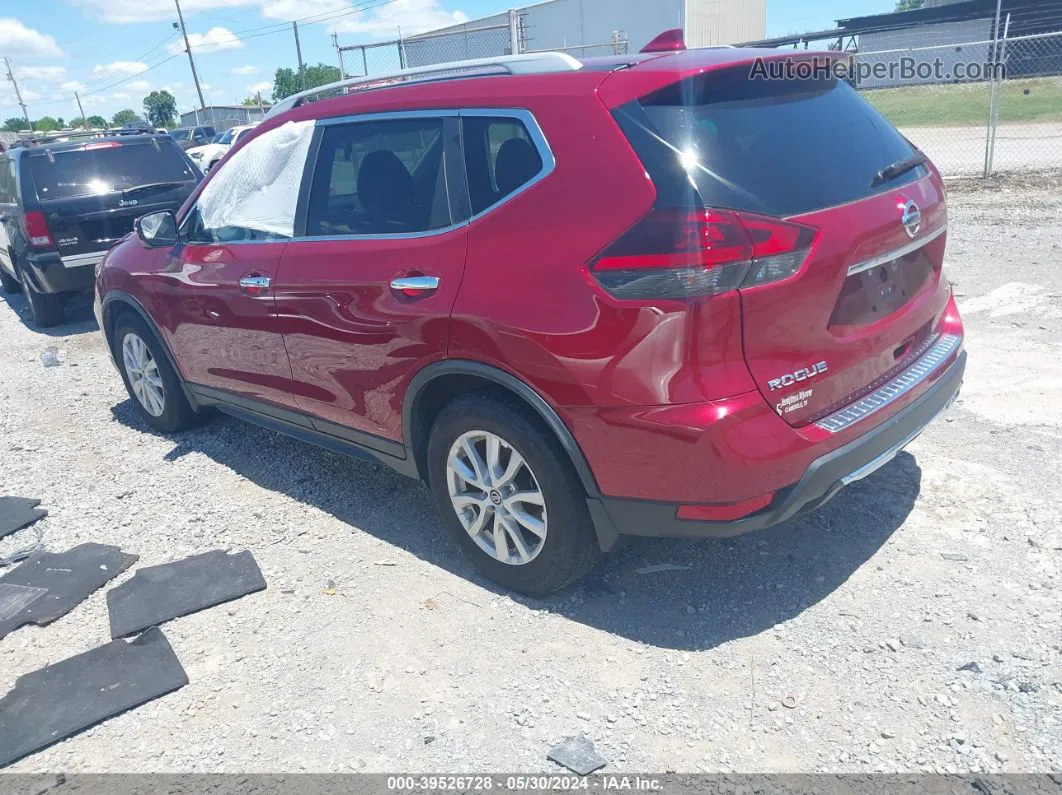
466, 43
975, 107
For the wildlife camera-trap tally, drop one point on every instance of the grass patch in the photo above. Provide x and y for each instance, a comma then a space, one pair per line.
967, 103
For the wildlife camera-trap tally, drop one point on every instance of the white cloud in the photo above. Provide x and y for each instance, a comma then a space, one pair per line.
120, 97
412, 16
46, 74
29, 95
246, 70
265, 87
119, 69
18, 41
139, 85
73, 85
126, 11
213, 40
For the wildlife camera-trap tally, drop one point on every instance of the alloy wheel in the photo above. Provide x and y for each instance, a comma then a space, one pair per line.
143, 374
497, 497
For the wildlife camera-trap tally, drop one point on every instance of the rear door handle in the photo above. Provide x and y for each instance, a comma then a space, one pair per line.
255, 284
415, 285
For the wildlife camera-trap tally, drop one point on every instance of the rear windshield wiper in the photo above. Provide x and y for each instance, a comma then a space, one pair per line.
893, 170
151, 186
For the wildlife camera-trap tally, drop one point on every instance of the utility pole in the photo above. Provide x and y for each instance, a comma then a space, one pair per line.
84, 121
298, 51
339, 50
191, 61
18, 94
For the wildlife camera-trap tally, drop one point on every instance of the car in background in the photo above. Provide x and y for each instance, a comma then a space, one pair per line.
187, 137
207, 156
65, 200
643, 295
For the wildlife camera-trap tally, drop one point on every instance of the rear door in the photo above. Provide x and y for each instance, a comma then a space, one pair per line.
365, 296
91, 195
846, 283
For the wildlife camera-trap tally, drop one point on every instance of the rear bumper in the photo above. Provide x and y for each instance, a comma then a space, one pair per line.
822, 479
52, 273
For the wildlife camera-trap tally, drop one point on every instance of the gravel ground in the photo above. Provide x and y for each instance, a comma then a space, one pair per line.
832, 643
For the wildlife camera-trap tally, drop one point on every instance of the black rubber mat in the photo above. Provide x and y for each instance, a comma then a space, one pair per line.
18, 512
56, 702
159, 593
48, 585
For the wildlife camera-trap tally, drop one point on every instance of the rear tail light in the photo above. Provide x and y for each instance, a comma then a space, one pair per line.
690, 253
36, 229
103, 145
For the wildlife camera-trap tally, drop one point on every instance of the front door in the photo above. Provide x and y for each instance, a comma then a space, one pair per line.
365, 296
230, 340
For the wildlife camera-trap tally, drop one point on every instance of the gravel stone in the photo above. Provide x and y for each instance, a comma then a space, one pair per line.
865, 567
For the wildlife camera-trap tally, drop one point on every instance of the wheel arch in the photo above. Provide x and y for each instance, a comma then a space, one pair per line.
118, 301
438, 383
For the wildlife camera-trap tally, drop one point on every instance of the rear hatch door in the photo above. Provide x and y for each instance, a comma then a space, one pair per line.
861, 300
91, 195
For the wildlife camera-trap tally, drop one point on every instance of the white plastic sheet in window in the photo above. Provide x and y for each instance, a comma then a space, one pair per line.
258, 187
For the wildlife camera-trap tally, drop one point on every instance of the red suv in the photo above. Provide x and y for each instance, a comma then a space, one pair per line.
649, 296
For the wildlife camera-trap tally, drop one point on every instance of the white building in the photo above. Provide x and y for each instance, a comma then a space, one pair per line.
594, 27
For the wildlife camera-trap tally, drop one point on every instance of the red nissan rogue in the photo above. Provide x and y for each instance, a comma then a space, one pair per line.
648, 295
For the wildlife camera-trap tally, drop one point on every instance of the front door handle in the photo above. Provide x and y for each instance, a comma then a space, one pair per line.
255, 284
415, 285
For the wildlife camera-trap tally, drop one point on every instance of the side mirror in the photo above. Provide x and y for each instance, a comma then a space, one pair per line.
157, 230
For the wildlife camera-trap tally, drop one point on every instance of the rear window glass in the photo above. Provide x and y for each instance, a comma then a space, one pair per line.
779, 147
95, 171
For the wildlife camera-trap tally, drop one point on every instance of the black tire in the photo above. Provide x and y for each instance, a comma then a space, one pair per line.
213, 165
8, 282
177, 413
570, 547
46, 308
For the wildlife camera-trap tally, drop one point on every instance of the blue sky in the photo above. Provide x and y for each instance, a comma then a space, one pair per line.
115, 51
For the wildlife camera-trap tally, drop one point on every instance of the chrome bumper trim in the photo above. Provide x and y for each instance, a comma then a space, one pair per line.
902, 251
941, 349
77, 260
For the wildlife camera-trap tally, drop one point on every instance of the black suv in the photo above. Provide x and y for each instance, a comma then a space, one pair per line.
187, 137
65, 200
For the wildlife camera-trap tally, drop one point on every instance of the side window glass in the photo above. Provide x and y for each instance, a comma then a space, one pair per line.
379, 178
6, 183
500, 158
254, 199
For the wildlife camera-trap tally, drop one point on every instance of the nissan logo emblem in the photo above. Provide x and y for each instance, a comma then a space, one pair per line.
911, 218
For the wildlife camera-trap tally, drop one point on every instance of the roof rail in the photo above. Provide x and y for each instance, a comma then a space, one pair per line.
527, 63
70, 135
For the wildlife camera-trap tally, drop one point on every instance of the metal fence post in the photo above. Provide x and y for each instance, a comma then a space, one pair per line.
997, 81
514, 32
992, 88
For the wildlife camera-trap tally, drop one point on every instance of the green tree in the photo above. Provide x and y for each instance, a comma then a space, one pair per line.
161, 108
287, 82
909, 5
96, 121
123, 116
77, 121
47, 124
15, 124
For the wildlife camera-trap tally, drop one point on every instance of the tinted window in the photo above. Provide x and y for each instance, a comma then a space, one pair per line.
7, 181
500, 158
111, 167
780, 147
225, 137
180, 135
382, 177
